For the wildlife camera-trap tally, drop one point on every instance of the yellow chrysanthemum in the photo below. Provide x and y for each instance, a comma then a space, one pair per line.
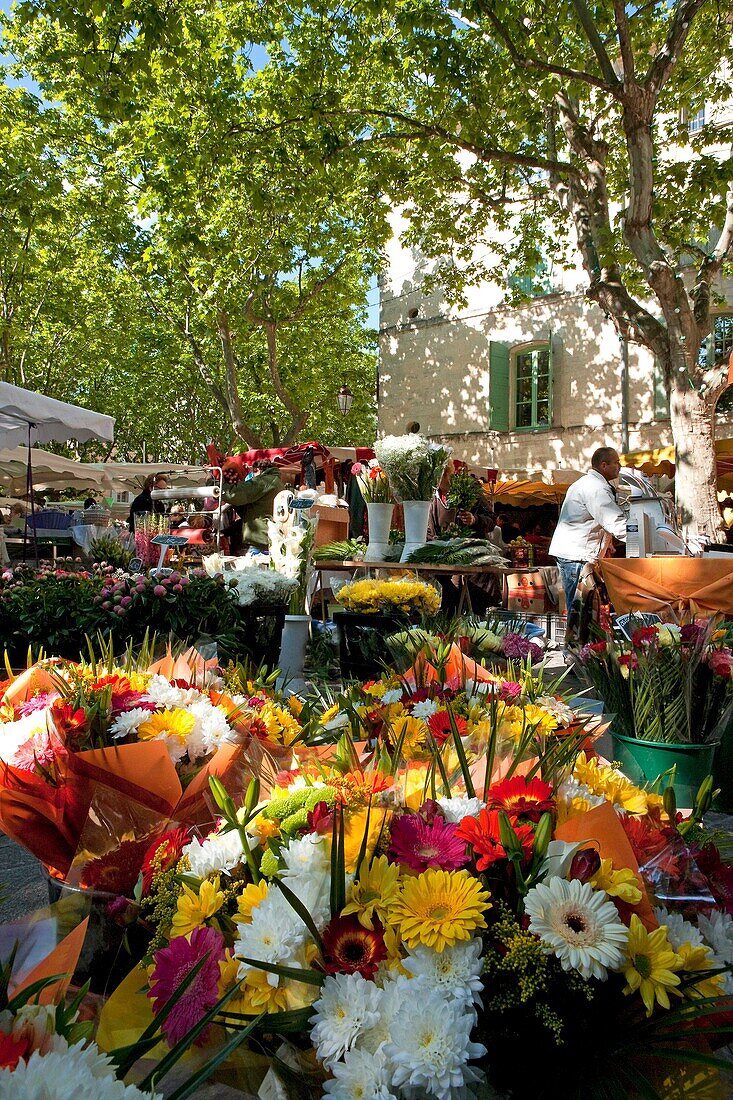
607, 781
621, 884
439, 908
176, 723
195, 908
652, 965
265, 828
281, 726
138, 680
296, 705
373, 894
699, 957
252, 896
329, 714
401, 595
572, 808
228, 977
539, 718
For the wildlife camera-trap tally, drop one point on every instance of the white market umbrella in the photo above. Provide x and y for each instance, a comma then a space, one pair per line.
29, 417
131, 475
50, 471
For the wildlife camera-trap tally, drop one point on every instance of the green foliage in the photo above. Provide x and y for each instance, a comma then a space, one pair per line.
108, 550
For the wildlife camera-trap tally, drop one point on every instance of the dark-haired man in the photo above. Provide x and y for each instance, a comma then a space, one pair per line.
589, 518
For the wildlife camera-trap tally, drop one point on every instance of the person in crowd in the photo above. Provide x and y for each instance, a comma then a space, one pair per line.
90, 502
496, 533
144, 502
253, 502
589, 519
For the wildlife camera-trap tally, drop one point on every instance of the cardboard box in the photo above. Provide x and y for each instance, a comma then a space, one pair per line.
333, 523
526, 592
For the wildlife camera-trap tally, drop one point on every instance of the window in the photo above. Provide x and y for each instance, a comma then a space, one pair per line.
716, 348
534, 285
695, 120
532, 387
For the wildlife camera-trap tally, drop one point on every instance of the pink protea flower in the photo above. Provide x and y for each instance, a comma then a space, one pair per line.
172, 964
38, 702
419, 844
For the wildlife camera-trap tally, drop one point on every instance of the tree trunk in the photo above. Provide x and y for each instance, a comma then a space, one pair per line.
693, 431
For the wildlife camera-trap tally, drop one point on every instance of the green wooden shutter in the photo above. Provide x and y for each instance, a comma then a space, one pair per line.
499, 386
555, 348
661, 400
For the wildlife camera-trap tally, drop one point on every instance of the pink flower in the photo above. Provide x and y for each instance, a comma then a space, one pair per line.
172, 964
38, 702
721, 662
159, 590
510, 691
129, 700
420, 844
41, 750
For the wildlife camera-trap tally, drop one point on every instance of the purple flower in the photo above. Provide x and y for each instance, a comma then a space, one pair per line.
420, 844
516, 646
172, 964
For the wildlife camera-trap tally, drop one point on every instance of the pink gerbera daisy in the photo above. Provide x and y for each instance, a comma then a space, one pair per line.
38, 702
39, 751
172, 964
420, 844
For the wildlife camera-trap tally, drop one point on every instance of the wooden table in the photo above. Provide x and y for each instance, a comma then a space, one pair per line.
422, 569
62, 539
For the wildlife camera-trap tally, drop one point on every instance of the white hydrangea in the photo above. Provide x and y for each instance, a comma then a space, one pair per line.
165, 694
679, 930
431, 1046
360, 1076
347, 1007
455, 972
424, 708
15, 734
79, 1073
129, 722
216, 852
456, 808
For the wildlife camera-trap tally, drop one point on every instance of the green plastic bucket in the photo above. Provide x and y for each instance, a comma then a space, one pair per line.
644, 761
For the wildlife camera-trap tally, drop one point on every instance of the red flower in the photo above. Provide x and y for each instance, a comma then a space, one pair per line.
644, 635
120, 684
70, 724
721, 662
351, 949
12, 1050
482, 833
630, 660
521, 798
169, 845
598, 647
718, 874
320, 819
646, 841
439, 725
116, 872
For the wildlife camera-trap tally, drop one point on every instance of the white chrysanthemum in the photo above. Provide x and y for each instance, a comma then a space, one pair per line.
556, 708
210, 730
361, 1076
431, 1046
679, 930
424, 708
347, 1007
392, 1001
392, 695
455, 809
717, 930
577, 924
15, 734
216, 852
570, 789
274, 934
79, 1073
455, 971
305, 855
165, 694
128, 722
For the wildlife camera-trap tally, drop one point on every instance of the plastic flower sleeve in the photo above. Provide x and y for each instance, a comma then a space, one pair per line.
674, 878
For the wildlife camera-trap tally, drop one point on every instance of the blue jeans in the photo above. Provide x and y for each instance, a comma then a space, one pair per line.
569, 575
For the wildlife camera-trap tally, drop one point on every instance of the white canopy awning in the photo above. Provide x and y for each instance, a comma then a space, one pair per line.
131, 475
49, 471
49, 420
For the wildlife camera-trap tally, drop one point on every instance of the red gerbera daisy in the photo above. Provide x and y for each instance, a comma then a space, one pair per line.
70, 724
646, 841
115, 872
351, 949
162, 854
439, 725
482, 833
521, 797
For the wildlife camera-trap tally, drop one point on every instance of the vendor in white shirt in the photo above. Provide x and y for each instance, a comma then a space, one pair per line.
588, 519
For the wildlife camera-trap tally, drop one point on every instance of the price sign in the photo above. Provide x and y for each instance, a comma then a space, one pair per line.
170, 540
296, 504
136, 565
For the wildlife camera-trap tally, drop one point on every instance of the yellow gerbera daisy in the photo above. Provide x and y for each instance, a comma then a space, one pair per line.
651, 965
176, 723
281, 726
617, 884
439, 908
375, 891
413, 732
193, 909
252, 896
699, 957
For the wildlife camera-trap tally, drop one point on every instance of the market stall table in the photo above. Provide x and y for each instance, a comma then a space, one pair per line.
55, 539
669, 585
464, 572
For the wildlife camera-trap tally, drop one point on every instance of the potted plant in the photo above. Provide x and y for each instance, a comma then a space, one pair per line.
671, 694
375, 489
414, 467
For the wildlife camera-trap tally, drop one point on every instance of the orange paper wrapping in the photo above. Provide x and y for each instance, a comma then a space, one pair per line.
687, 586
601, 828
29, 683
62, 960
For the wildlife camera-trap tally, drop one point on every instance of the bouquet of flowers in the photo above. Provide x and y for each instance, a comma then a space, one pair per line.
147, 526
413, 465
403, 596
420, 929
373, 482
670, 683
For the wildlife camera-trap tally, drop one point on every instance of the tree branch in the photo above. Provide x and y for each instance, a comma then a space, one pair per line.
667, 57
624, 39
596, 43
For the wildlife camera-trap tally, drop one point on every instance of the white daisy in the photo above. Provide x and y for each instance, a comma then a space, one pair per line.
347, 1007
455, 971
361, 1076
80, 1073
392, 695
679, 930
424, 708
455, 809
128, 722
577, 924
165, 694
216, 852
430, 1046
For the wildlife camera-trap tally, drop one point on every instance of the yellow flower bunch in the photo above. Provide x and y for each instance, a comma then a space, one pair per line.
282, 727
369, 597
607, 781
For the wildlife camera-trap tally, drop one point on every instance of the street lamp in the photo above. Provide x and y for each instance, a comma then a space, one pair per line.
345, 400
